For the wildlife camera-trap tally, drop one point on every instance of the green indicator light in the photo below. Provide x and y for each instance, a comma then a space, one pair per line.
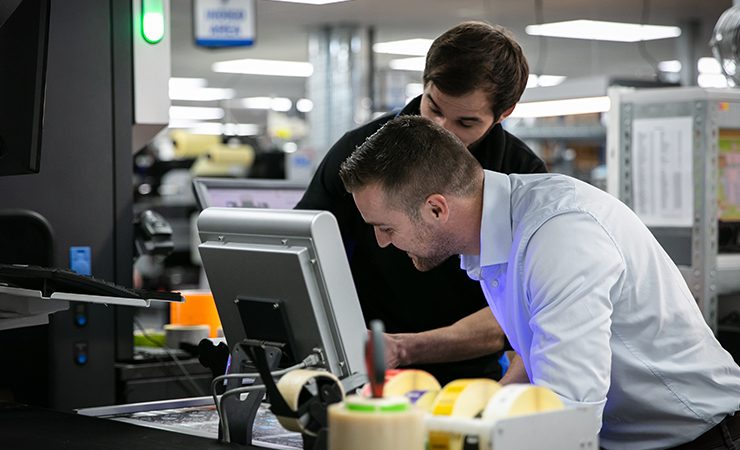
152, 20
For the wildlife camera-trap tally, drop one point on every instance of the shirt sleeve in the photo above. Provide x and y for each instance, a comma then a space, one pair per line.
572, 275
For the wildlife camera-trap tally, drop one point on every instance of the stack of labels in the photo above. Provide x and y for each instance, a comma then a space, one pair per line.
465, 398
388, 423
521, 399
298, 387
418, 386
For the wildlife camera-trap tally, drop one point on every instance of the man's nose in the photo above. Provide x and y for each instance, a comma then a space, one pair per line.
382, 239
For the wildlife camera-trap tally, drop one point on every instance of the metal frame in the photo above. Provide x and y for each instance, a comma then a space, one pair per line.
702, 105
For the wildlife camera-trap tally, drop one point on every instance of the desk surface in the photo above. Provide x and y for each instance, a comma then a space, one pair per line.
30, 427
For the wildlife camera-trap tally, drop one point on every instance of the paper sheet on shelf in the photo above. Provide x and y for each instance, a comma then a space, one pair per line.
662, 167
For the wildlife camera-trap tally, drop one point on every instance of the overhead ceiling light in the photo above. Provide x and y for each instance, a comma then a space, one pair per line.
200, 94
672, 66
195, 113
412, 47
264, 67
534, 81
566, 107
708, 65
281, 104
416, 64
304, 105
189, 83
712, 80
603, 31
216, 128
312, 2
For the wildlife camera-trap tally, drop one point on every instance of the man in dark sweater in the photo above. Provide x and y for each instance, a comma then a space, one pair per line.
438, 320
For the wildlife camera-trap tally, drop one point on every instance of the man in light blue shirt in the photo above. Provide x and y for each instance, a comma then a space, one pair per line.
596, 309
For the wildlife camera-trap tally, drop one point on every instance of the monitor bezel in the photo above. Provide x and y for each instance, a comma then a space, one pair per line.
202, 185
310, 238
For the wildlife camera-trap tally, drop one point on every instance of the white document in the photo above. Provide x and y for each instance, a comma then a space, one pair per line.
662, 167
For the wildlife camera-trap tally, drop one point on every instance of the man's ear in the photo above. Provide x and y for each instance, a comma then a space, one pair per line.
436, 208
506, 114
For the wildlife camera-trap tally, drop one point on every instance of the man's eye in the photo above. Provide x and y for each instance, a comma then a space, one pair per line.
465, 124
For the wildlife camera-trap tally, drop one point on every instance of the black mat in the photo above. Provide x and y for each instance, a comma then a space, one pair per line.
28, 427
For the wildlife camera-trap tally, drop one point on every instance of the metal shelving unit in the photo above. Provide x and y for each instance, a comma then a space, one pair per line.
692, 245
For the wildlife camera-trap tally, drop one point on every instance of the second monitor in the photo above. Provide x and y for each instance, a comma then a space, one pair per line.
283, 275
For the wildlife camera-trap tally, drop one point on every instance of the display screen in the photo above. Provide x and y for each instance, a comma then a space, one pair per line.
254, 197
23, 49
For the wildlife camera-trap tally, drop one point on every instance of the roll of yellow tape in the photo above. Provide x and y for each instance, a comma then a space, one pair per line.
388, 423
297, 387
521, 399
460, 398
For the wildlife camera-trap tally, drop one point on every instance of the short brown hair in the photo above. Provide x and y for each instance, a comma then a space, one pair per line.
476, 55
412, 158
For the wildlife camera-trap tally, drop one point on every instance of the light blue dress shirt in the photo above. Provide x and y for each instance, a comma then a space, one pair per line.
598, 311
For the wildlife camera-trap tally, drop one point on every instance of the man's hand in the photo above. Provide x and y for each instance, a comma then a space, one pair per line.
395, 355
470, 337
516, 372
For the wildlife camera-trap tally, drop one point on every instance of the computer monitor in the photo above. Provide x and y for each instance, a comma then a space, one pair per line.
24, 26
247, 193
283, 276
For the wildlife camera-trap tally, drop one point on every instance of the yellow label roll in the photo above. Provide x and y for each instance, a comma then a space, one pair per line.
460, 398
521, 399
297, 387
388, 423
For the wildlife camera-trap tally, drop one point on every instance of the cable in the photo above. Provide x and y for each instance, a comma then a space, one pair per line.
312, 359
642, 46
172, 355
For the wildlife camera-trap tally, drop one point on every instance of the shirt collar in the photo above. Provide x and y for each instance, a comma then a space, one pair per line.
495, 227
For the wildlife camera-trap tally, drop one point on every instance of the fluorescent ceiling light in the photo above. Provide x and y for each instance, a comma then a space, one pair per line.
304, 105
264, 67
274, 103
566, 107
200, 94
411, 47
312, 2
189, 83
709, 66
712, 80
195, 113
416, 64
534, 81
215, 128
672, 66
603, 31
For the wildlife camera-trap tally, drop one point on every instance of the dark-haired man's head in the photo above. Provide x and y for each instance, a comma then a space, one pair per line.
404, 179
474, 75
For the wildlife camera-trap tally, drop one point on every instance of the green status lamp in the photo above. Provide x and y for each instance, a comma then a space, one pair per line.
152, 20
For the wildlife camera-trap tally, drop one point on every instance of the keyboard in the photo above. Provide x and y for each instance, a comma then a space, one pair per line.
49, 280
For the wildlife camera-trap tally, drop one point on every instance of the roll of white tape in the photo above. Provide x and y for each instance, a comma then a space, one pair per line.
521, 399
298, 387
389, 423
